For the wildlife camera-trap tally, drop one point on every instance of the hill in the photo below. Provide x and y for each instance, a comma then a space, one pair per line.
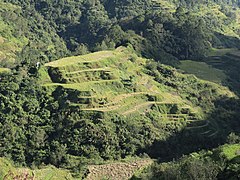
85, 85
103, 85
121, 82
109, 81
108, 105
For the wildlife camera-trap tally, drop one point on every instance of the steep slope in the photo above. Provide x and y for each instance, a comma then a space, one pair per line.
119, 82
12, 38
26, 37
105, 106
110, 81
159, 29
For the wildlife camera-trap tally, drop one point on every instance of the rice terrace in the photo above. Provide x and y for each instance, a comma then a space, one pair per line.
119, 90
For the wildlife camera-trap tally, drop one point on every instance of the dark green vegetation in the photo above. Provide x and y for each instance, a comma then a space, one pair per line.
221, 163
113, 104
157, 29
107, 106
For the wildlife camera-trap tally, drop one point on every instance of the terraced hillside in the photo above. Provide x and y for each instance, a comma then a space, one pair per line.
116, 81
112, 81
228, 61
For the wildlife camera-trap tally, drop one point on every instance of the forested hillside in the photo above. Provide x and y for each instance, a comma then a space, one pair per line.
100, 87
163, 30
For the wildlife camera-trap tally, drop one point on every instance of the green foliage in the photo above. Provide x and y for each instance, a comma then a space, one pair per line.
8, 171
156, 29
113, 104
215, 164
4, 70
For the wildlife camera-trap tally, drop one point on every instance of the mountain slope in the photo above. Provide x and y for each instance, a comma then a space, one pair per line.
100, 108
110, 80
106, 106
120, 82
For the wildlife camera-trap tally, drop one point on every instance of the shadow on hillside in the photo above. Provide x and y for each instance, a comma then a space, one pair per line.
225, 116
228, 63
226, 41
230, 67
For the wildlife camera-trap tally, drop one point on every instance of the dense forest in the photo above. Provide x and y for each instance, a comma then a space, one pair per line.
40, 123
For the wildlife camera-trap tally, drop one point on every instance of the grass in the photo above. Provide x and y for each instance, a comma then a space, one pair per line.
141, 106
231, 151
88, 70
129, 90
43, 76
93, 57
5, 166
46, 173
4, 70
87, 86
122, 170
221, 52
52, 173
203, 71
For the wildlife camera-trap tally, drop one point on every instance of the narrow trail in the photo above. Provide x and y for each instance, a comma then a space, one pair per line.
206, 132
103, 109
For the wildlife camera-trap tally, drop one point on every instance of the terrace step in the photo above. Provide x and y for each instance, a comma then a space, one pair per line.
87, 70
147, 105
198, 127
213, 134
206, 132
102, 109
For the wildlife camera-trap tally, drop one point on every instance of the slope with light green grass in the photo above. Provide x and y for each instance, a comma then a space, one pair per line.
8, 172
4, 70
203, 71
117, 81
230, 151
